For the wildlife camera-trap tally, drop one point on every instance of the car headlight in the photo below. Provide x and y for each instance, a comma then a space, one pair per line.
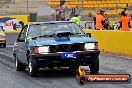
89, 46
1, 36
44, 49
41, 50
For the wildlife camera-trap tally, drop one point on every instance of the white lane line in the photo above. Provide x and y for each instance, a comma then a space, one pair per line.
10, 46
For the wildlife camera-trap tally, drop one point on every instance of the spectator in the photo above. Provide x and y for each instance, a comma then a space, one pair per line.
94, 19
124, 21
52, 13
13, 1
106, 23
62, 16
71, 15
75, 19
1, 28
77, 10
100, 20
126, 12
115, 26
57, 15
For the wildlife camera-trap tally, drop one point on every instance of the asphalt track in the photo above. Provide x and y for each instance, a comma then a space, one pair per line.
57, 78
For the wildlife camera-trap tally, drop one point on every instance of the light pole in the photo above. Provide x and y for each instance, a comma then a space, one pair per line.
82, 4
116, 9
27, 7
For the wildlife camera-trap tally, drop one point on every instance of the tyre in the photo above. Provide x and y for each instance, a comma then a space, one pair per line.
19, 66
4, 45
73, 68
32, 68
94, 66
82, 80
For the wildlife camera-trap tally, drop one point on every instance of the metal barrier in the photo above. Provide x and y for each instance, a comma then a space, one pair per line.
89, 25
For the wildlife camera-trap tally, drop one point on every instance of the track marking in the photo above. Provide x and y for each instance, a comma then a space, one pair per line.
10, 46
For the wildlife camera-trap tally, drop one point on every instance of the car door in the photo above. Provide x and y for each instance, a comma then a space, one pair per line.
21, 46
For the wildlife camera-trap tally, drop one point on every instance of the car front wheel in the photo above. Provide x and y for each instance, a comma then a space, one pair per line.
19, 65
4, 45
32, 68
94, 66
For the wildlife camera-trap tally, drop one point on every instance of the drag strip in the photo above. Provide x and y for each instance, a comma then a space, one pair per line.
56, 78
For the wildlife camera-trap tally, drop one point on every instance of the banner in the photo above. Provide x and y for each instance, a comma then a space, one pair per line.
11, 23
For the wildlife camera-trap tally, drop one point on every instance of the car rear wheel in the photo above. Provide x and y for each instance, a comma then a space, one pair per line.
94, 66
32, 68
19, 66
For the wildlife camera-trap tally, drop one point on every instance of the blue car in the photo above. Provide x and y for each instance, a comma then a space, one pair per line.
55, 44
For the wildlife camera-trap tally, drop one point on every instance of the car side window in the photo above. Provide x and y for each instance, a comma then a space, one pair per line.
22, 35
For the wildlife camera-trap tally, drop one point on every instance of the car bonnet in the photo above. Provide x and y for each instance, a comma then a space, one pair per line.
54, 41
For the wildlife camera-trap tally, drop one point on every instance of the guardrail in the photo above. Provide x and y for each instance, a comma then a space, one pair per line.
118, 42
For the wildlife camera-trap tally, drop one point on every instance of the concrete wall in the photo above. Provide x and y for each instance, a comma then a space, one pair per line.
118, 42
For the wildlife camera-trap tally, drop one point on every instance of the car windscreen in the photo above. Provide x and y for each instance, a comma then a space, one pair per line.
52, 28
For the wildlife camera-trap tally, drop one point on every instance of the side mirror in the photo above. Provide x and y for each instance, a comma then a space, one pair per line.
89, 34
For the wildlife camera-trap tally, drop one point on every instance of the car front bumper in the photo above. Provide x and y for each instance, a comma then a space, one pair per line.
2, 41
55, 59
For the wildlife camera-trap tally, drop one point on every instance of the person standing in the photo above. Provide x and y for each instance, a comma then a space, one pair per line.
13, 1
62, 16
126, 12
57, 14
124, 21
75, 19
94, 18
99, 20
53, 13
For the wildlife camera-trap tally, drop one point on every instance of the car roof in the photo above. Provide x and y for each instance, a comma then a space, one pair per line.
51, 22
